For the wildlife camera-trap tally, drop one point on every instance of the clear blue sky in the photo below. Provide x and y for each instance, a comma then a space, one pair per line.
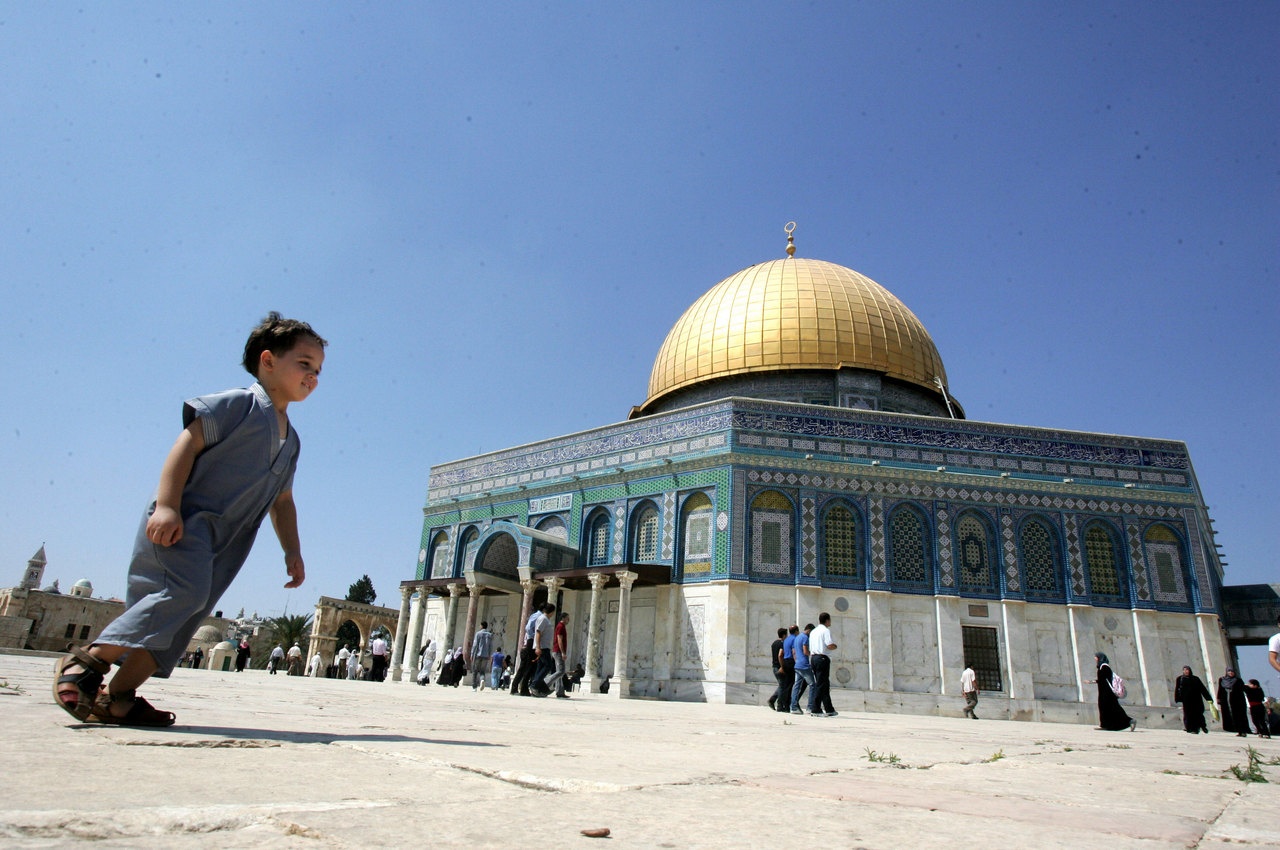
495, 213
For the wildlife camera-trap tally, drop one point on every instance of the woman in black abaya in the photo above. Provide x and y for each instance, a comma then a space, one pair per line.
1192, 693
1235, 709
1111, 715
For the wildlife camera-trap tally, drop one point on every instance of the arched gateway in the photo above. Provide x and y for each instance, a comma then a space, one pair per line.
332, 613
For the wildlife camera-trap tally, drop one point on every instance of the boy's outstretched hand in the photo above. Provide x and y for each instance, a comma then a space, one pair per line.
296, 569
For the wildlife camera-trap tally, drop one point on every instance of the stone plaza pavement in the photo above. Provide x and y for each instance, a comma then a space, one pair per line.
260, 761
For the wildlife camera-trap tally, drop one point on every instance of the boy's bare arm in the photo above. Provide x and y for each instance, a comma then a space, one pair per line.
284, 517
164, 528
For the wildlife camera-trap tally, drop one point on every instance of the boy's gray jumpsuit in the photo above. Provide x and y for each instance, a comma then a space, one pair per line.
232, 486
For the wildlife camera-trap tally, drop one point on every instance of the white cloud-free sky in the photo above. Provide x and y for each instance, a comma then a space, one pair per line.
496, 211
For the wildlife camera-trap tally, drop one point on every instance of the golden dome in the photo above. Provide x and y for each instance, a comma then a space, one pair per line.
795, 314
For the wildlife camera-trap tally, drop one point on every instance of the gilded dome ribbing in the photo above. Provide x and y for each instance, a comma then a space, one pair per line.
794, 314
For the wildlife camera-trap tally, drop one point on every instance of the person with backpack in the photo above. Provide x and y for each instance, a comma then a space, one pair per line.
1111, 715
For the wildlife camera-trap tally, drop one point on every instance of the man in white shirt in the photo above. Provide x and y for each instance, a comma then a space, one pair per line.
378, 650
820, 644
1273, 648
969, 687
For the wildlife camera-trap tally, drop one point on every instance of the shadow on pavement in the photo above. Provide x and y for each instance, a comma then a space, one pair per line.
233, 733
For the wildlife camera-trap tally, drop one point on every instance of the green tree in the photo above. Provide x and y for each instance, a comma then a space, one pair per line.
362, 591
291, 629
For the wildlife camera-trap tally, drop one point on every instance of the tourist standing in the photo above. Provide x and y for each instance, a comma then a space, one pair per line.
524, 670
275, 659
969, 690
804, 670
481, 656
775, 658
1273, 648
378, 650
820, 645
559, 650
788, 667
242, 655
496, 665
1257, 707
1232, 703
295, 660
353, 663
544, 633
427, 662
1191, 693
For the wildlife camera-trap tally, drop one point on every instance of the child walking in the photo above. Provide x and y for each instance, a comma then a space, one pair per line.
231, 466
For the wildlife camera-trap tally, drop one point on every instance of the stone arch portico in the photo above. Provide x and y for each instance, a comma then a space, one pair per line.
332, 613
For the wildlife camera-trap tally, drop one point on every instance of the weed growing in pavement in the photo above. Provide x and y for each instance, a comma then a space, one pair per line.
1253, 773
1119, 747
996, 756
7, 687
886, 758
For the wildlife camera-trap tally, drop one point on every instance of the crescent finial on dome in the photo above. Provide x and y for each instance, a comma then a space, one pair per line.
791, 239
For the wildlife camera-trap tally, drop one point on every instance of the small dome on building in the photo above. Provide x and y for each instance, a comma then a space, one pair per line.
208, 634
83, 587
53, 588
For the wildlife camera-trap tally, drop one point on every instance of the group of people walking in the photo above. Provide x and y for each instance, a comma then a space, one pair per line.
541, 669
802, 662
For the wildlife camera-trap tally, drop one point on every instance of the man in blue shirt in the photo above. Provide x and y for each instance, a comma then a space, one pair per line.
804, 670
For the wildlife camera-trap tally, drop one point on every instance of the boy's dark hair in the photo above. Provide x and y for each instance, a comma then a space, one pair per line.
824, 618
276, 334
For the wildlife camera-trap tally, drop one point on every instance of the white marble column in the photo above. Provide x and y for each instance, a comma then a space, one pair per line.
402, 634
1017, 650
950, 643
1156, 680
474, 591
622, 648
553, 588
591, 681
451, 616
1078, 618
526, 608
416, 620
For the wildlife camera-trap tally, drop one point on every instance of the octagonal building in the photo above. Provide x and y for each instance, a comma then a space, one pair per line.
799, 451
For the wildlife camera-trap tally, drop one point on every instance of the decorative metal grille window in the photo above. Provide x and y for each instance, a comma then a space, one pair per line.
647, 535
909, 562
440, 556
1164, 555
982, 652
554, 525
697, 528
1039, 559
1103, 565
974, 547
771, 544
842, 541
598, 553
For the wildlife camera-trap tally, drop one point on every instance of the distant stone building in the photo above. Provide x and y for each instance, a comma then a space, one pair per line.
48, 619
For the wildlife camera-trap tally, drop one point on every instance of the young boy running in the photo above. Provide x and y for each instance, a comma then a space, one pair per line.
231, 466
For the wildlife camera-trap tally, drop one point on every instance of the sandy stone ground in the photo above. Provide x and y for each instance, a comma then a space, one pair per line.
259, 761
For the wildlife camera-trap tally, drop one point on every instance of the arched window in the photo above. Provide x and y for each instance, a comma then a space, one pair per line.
1041, 564
910, 549
1165, 564
468, 537
771, 539
555, 526
647, 525
440, 555
975, 550
696, 535
842, 544
598, 539
1102, 562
